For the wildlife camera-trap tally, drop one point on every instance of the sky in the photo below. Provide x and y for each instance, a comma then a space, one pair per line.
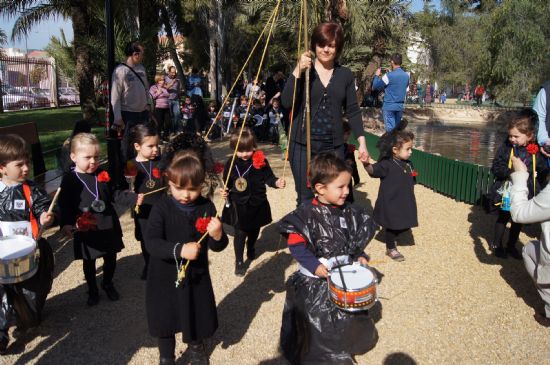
40, 35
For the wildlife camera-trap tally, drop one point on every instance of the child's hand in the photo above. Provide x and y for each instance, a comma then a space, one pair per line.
190, 250
46, 219
140, 198
518, 164
224, 193
280, 183
67, 231
363, 261
321, 271
214, 228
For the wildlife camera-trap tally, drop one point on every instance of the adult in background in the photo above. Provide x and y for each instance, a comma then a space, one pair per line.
173, 85
332, 87
273, 86
130, 95
536, 254
540, 106
160, 96
394, 84
194, 83
478, 93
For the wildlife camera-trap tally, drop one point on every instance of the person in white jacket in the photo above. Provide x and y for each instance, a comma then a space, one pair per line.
536, 254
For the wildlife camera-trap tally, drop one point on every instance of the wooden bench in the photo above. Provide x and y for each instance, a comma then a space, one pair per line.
49, 180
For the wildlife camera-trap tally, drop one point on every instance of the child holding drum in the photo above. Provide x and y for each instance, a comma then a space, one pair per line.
395, 207
88, 214
325, 233
23, 211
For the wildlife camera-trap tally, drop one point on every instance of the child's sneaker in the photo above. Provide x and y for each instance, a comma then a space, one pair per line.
395, 255
240, 269
111, 292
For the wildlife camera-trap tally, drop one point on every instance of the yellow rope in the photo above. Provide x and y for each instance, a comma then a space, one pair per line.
241, 72
181, 273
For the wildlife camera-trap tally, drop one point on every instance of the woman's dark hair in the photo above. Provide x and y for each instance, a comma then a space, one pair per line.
325, 167
325, 33
395, 138
140, 131
247, 142
186, 169
525, 121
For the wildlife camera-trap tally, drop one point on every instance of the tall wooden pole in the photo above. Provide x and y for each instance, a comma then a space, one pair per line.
307, 112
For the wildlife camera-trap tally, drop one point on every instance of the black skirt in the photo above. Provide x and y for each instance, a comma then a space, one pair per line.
247, 217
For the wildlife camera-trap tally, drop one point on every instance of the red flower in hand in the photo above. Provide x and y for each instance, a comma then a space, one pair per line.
86, 222
202, 223
351, 148
103, 176
218, 168
130, 170
414, 173
156, 173
258, 159
532, 148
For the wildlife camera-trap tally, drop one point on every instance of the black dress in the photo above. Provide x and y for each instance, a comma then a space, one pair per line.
190, 308
395, 207
75, 199
249, 209
154, 168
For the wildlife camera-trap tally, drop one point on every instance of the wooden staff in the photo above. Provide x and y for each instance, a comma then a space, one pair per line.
50, 210
307, 112
136, 208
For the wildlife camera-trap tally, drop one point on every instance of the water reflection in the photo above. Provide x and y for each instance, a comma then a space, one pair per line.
465, 143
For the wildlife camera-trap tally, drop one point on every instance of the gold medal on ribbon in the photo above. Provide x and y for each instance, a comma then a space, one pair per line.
150, 184
241, 184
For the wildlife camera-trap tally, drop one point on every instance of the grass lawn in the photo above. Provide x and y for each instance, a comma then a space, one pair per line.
54, 127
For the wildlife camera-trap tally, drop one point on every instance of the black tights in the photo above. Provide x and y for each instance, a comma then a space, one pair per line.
240, 237
500, 227
167, 346
109, 266
391, 237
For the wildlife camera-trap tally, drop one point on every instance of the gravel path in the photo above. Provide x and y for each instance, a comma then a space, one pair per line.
449, 302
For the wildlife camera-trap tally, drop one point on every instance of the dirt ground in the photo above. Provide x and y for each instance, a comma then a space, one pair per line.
449, 302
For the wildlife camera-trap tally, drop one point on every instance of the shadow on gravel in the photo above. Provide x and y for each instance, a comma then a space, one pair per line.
512, 271
399, 358
109, 333
237, 310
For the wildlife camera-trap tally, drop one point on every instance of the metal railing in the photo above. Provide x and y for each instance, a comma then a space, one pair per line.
456, 179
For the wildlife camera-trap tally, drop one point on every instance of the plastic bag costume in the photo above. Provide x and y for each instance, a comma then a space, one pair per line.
314, 330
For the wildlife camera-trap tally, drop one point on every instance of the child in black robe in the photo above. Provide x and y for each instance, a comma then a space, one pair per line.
173, 239
88, 215
247, 208
23, 211
395, 207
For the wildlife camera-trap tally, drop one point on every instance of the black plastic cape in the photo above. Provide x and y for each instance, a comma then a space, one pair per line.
314, 330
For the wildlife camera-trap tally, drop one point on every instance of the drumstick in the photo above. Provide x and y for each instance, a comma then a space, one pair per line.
50, 210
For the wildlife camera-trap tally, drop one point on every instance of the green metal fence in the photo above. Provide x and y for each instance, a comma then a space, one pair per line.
459, 180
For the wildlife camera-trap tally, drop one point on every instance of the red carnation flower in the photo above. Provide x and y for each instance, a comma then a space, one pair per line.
258, 159
414, 173
202, 223
131, 169
86, 222
103, 176
156, 173
218, 168
532, 148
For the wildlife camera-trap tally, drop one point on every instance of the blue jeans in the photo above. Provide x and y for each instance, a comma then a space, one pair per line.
175, 113
392, 118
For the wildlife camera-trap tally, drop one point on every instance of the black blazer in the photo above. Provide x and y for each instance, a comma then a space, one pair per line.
341, 91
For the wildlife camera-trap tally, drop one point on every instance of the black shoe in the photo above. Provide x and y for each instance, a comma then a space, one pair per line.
197, 354
93, 298
4, 341
542, 319
513, 251
240, 269
499, 252
111, 292
251, 255
167, 361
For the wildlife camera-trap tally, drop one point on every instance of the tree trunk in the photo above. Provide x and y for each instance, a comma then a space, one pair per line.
81, 18
214, 38
172, 45
367, 75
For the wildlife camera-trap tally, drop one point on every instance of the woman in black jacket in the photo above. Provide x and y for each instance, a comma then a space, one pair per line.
332, 89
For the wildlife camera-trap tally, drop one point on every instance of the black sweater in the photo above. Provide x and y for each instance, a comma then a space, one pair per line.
340, 90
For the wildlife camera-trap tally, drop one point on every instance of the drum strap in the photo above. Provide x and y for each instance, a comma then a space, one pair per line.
34, 223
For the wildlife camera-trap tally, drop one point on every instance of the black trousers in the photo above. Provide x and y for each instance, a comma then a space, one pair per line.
500, 226
391, 237
298, 164
109, 266
239, 242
